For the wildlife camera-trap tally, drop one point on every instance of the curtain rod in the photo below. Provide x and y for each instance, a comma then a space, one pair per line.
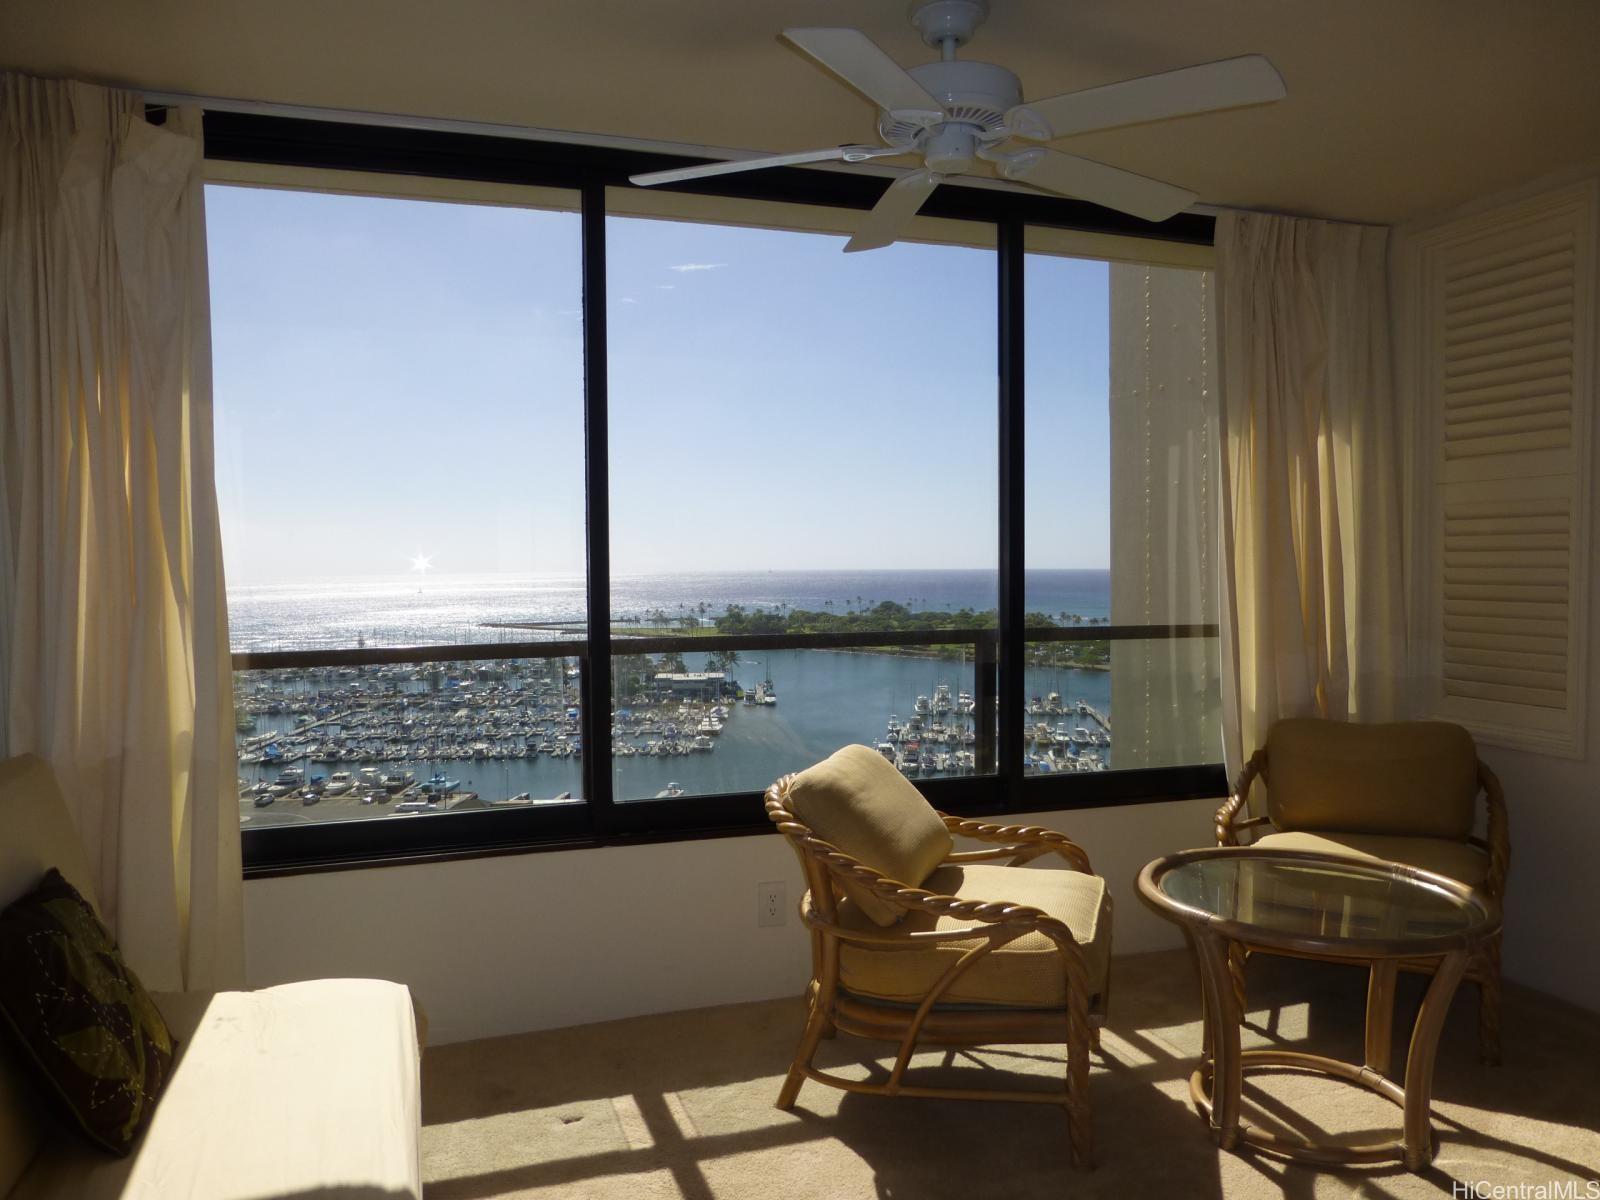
306, 112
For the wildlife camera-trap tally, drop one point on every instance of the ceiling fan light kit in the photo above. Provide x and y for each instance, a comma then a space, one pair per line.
954, 112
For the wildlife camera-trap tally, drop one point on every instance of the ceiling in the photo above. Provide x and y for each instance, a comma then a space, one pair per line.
1396, 108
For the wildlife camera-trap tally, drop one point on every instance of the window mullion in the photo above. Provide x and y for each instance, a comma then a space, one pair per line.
1010, 269
596, 675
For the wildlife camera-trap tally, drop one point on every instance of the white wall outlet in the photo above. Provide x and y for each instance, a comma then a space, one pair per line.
770, 906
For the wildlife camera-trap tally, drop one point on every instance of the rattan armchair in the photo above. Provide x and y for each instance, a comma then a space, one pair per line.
964, 931
1404, 753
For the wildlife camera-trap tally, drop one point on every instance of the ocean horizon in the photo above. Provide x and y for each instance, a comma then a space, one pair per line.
410, 610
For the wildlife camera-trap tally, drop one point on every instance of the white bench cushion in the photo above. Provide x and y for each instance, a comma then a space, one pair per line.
303, 1090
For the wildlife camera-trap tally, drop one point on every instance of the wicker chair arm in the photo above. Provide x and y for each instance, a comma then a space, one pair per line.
1499, 832
1022, 843
1229, 823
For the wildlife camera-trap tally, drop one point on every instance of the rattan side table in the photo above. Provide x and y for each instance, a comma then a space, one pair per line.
1320, 906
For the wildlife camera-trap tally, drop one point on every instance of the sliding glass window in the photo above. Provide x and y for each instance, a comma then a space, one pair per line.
803, 501
399, 429
1121, 470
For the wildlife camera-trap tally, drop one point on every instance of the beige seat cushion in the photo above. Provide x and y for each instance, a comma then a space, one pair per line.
857, 801
36, 833
1461, 861
1025, 973
1418, 778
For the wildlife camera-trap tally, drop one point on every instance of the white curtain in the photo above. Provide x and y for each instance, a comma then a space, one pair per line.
1163, 421
113, 630
1313, 595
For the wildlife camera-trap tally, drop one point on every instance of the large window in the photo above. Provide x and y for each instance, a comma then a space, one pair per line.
575, 515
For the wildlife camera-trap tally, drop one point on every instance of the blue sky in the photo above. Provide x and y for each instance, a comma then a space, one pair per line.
399, 376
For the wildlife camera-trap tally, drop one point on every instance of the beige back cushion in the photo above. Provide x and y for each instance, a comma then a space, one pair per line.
36, 833
857, 801
1410, 777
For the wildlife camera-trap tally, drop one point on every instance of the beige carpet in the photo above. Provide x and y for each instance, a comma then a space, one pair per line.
680, 1105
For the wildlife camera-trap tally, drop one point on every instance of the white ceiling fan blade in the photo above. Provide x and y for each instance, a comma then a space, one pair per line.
893, 211
679, 174
1231, 83
1109, 187
856, 59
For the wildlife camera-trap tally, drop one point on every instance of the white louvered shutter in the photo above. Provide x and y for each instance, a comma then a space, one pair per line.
1506, 301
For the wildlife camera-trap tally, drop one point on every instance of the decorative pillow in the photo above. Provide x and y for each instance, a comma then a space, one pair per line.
857, 801
78, 1014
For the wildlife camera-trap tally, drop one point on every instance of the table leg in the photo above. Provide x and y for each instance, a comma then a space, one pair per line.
1381, 980
1420, 1058
1222, 1036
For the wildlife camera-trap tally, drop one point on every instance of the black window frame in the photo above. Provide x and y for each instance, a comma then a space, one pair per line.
600, 819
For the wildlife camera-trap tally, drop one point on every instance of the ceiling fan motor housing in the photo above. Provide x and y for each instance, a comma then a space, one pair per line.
976, 95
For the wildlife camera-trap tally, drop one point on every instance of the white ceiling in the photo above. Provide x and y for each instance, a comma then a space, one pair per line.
1396, 108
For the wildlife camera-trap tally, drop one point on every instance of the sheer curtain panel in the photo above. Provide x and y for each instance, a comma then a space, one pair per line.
113, 627
1164, 695
1313, 604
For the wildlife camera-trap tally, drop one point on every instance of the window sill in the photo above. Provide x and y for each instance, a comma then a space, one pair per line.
315, 849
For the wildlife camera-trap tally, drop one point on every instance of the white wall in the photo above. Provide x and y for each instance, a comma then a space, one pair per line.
1552, 937
500, 945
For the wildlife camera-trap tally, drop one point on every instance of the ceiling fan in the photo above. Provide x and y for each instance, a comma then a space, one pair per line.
954, 112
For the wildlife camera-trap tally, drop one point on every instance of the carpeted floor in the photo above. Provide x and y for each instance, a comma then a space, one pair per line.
680, 1105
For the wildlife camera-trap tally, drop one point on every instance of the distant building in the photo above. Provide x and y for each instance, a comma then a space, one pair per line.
690, 685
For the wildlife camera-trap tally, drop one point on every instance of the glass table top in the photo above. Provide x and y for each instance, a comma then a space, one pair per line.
1324, 900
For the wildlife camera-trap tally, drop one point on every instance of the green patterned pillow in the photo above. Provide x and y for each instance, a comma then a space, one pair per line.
80, 1016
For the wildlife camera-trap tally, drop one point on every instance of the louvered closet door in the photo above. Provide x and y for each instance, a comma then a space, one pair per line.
1508, 305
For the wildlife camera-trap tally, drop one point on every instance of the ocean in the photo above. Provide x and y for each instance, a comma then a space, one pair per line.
439, 610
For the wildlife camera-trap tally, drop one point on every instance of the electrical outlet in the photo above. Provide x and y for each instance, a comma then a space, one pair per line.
770, 908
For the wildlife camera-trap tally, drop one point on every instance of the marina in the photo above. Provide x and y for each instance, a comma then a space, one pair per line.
335, 743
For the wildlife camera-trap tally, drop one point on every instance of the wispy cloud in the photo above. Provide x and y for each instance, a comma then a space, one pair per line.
685, 267
629, 300
665, 287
